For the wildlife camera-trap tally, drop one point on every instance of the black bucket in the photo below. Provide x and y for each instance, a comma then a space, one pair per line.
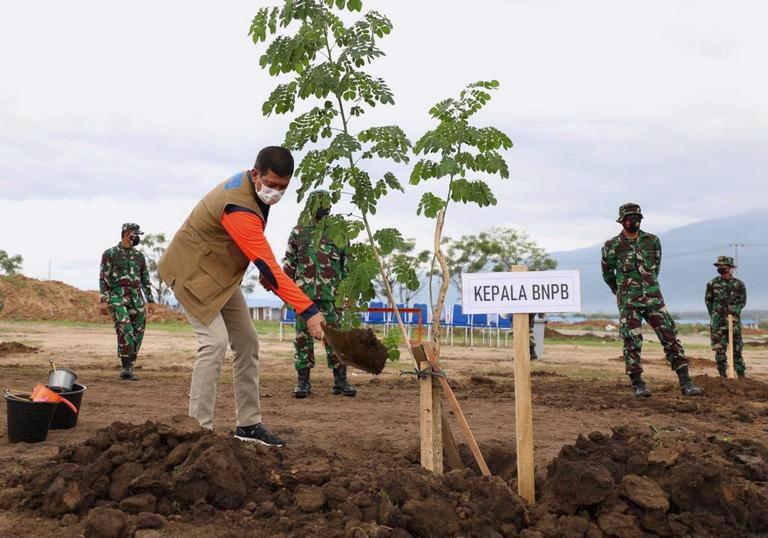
28, 422
64, 418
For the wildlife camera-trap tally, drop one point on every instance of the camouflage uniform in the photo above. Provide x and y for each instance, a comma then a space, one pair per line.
317, 270
723, 297
531, 339
631, 269
122, 277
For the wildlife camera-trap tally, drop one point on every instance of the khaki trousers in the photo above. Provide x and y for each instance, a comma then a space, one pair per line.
233, 326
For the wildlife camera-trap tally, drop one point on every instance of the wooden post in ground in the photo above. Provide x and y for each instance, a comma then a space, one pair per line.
430, 416
425, 352
523, 406
731, 372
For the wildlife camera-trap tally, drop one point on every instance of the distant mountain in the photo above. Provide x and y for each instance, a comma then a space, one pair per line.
688, 253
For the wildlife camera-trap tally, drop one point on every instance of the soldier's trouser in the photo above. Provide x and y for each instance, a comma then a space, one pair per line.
718, 332
233, 326
630, 329
129, 325
304, 344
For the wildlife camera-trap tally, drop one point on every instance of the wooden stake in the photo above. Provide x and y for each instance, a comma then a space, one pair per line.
430, 419
462, 420
452, 457
731, 372
523, 406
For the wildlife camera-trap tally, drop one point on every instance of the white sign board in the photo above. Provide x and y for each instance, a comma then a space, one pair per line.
521, 292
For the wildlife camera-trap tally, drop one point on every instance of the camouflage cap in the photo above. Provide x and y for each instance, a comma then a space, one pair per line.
132, 226
724, 260
629, 209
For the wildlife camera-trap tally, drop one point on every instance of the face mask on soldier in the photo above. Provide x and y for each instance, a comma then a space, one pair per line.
135, 239
632, 223
322, 212
722, 270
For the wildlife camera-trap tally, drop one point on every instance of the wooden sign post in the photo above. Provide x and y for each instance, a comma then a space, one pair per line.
523, 404
731, 372
521, 293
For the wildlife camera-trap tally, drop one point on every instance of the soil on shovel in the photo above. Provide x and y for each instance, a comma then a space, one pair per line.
358, 348
8, 348
635, 482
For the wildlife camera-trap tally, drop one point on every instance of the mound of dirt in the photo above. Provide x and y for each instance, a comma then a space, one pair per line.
8, 348
701, 362
745, 389
600, 323
552, 333
196, 476
635, 482
28, 299
667, 483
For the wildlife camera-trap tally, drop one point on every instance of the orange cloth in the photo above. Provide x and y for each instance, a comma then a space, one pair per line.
247, 231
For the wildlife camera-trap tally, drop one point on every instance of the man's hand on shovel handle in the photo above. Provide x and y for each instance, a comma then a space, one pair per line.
315, 326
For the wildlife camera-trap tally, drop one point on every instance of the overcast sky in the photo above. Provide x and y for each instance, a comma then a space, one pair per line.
114, 112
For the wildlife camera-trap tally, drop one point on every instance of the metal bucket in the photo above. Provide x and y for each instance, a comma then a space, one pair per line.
62, 379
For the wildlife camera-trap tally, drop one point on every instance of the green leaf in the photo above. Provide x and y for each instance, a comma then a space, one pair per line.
463, 190
308, 127
388, 239
430, 205
388, 142
281, 100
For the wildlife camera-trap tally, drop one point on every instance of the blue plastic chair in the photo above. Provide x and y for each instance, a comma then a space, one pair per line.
376, 318
459, 319
289, 318
477, 321
505, 325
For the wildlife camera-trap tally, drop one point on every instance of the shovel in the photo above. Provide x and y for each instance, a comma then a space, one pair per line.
358, 348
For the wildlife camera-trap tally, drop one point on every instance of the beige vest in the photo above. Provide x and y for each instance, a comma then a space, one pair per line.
203, 265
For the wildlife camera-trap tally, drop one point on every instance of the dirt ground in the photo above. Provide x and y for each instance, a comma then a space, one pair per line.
577, 389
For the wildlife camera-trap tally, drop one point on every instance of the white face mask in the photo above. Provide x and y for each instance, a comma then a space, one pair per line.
268, 195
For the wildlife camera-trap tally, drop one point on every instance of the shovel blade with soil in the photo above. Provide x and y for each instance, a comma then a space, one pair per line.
358, 348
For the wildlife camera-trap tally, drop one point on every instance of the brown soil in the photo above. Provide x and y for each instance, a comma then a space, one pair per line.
351, 464
590, 336
7, 348
601, 323
636, 481
50, 300
358, 348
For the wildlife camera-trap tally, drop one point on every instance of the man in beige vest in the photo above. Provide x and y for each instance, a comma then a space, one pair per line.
204, 265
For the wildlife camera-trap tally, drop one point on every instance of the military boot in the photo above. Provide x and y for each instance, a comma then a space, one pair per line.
722, 373
340, 385
638, 385
741, 375
126, 374
686, 384
303, 387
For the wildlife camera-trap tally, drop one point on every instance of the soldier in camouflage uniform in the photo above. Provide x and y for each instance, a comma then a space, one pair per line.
122, 278
630, 265
317, 268
725, 295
